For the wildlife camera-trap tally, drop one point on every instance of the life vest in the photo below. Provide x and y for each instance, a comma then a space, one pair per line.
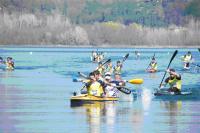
95, 89
10, 65
118, 69
109, 69
154, 66
101, 70
175, 83
187, 58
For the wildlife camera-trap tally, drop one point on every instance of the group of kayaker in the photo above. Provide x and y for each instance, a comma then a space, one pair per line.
97, 56
110, 68
187, 59
9, 62
103, 85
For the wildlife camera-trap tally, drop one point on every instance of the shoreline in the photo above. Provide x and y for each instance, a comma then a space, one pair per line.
90, 46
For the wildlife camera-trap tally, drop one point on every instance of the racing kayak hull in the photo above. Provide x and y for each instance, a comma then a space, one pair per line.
82, 99
151, 71
166, 93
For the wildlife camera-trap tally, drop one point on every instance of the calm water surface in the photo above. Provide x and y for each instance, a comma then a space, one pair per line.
35, 97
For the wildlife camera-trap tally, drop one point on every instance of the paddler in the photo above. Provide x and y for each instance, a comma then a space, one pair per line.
118, 80
137, 54
111, 90
187, 59
100, 79
109, 68
10, 63
1, 60
94, 87
174, 81
118, 68
153, 65
101, 56
94, 56
100, 68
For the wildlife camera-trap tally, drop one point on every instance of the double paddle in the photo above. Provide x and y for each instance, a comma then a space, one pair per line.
120, 88
172, 58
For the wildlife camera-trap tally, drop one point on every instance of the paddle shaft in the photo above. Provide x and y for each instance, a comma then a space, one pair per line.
168, 66
85, 76
109, 60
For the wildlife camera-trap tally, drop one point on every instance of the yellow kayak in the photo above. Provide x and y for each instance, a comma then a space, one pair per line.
80, 99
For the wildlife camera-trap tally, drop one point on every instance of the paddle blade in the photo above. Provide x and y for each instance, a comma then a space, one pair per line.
199, 49
82, 75
77, 80
136, 81
175, 53
124, 90
125, 57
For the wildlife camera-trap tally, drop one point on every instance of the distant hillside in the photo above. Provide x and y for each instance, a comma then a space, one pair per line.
145, 12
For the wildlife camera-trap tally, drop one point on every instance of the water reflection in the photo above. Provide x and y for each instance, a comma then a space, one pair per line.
173, 109
95, 113
7, 123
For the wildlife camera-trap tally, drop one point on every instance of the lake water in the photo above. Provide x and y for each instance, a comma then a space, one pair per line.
35, 97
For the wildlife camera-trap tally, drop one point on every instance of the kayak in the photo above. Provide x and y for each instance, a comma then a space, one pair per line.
167, 93
186, 68
84, 98
151, 70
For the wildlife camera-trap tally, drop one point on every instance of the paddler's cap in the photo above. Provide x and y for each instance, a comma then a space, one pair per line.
118, 61
107, 74
171, 70
108, 77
